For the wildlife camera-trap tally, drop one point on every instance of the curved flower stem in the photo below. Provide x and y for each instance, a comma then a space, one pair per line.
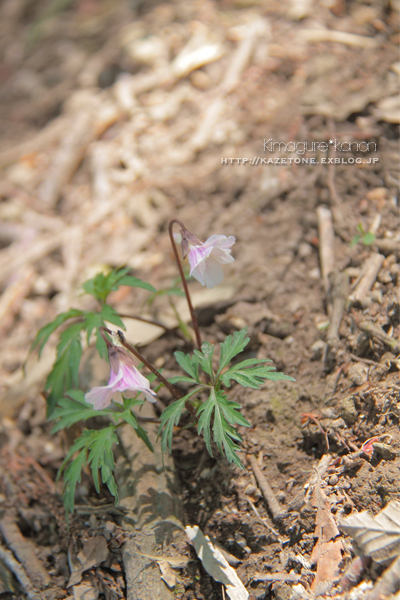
184, 283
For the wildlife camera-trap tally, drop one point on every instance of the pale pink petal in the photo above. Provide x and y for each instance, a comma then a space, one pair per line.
222, 255
220, 241
213, 273
197, 254
100, 397
198, 272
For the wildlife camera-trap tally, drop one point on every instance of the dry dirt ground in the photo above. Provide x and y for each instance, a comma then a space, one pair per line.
114, 119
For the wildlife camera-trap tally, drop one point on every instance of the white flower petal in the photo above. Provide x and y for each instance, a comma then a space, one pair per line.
100, 397
198, 272
222, 255
196, 255
150, 396
213, 274
220, 241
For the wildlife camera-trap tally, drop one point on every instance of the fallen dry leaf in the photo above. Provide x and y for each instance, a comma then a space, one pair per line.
328, 551
94, 552
375, 536
215, 564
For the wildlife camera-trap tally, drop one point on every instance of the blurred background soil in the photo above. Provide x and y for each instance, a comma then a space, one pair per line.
116, 117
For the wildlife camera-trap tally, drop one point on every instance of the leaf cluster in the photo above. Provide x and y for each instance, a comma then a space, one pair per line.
77, 323
218, 417
93, 447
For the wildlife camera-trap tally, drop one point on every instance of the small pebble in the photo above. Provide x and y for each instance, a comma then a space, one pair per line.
205, 474
358, 373
376, 296
348, 410
385, 276
304, 250
159, 362
333, 480
317, 350
384, 450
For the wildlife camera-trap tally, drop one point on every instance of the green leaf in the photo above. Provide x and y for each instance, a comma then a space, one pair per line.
73, 409
45, 332
204, 424
101, 285
225, 414
205, 357
101, 457
72, 476
369, 238
65, 372
130, 418
252, 373
231, 347
135, 282
170, 417
80, 442
182, 379
108, 313
188, 364
92, 321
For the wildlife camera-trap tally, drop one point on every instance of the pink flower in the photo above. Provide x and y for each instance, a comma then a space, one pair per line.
206, 258
124, 376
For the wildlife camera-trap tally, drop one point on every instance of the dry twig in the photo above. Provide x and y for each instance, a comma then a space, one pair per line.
326, 243
7, 557
371, 271
24, 552
278, 513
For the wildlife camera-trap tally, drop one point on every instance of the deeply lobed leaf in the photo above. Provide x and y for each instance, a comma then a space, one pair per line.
252, 373
232, 346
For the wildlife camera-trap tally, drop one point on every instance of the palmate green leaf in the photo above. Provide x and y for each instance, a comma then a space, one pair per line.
252, 373
205, 357
65, 372
72, 476
232, 346
45, 332
135, 282
72, 473
101, 457
72, 409
170, 417
188, 364
225, 415
108, 313
224, 434
81, 442
92, 321
101, 285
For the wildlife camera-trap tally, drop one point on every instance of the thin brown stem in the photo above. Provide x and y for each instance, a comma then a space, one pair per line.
184, 283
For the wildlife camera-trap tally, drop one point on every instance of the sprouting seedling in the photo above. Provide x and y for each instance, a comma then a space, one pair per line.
207, 370
365, 237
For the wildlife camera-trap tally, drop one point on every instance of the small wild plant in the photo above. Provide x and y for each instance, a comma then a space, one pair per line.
215, 416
